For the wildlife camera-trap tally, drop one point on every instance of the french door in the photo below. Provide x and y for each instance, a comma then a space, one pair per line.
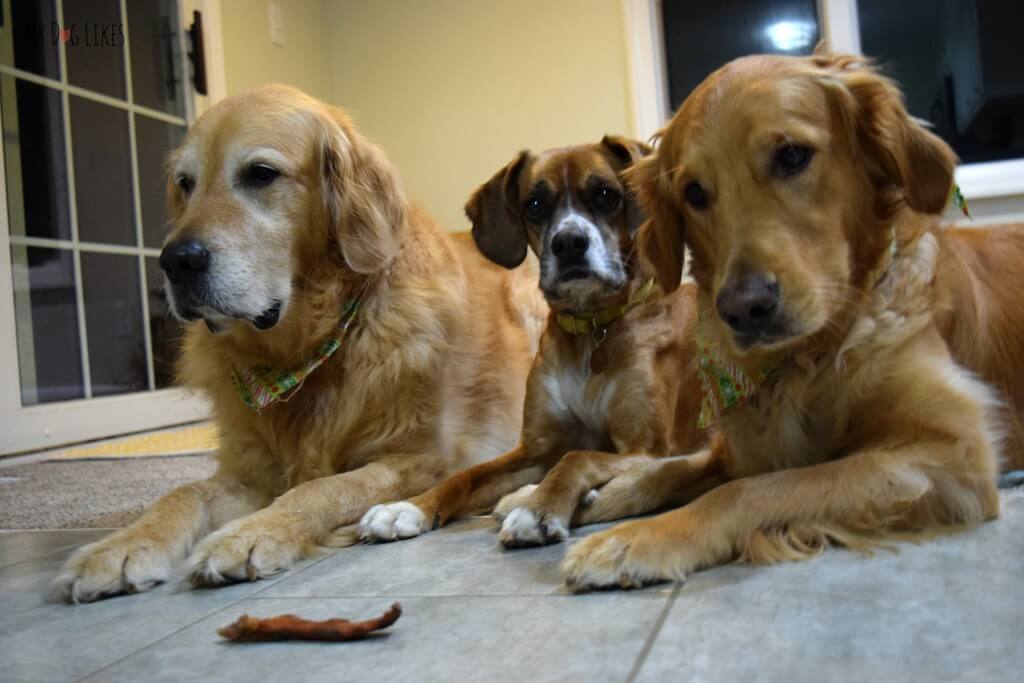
93, 94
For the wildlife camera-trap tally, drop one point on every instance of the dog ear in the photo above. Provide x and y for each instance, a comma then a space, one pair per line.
627, 152
493, 209
661, 237
365, 203
906, 161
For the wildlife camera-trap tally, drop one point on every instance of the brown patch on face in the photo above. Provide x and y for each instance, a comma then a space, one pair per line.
783, 175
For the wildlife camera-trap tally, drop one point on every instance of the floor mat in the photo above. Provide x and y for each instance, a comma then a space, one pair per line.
176, 441
81, 494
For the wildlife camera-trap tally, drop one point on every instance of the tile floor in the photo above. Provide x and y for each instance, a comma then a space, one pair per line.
949, 610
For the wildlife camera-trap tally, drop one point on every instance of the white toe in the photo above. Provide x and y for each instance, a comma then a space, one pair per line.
392, 521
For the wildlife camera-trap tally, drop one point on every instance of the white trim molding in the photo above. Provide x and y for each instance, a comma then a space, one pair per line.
840, 25
646, 73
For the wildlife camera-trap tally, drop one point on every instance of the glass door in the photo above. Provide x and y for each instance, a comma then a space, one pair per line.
93, 94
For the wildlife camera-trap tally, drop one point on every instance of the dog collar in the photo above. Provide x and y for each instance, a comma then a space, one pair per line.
723, 384
589, 323
261, 386
956, 197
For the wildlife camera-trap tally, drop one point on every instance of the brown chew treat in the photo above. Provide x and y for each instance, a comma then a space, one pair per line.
290, 627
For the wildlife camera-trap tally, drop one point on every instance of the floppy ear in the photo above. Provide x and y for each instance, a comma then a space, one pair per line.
493, 209
366, 206
627, 152
902, 156
661, 237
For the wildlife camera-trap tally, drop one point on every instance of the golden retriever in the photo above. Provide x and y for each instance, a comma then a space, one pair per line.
286, 223
614, 383
809, 200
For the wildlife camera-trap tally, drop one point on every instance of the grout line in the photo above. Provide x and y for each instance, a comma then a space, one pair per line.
204, 617
386, 595
653, 635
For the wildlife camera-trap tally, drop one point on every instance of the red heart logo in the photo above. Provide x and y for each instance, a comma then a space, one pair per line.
65, 35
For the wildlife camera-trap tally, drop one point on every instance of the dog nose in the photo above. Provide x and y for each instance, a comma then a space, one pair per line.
749, 305
184, 261
570, 242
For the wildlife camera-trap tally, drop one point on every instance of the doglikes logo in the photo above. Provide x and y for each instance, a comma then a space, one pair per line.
84, 35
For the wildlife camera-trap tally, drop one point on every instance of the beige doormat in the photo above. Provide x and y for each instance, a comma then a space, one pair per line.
81, 493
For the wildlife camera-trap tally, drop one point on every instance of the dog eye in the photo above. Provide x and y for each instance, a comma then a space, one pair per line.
607, 199
260, 175
533, 209
696, 196
792, 159
185, 183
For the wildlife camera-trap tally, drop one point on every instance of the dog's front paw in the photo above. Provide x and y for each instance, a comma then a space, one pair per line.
510, 502
630, 555
392, 521
120, 563
524, 528
244, 550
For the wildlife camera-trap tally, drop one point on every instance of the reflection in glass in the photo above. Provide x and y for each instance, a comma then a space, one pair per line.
156, 61
699, 41
37, 193
95, 48
153, 140
103, 177
165, 330
29, 40
113, 323
46, 321
960, 68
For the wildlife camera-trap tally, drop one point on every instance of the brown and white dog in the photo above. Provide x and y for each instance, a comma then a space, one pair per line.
282, 215
809, 200
613, 385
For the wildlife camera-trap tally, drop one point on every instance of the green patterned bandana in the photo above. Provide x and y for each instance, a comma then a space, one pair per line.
261, 386
724, 384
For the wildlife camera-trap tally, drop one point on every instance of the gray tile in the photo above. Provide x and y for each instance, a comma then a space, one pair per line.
42, 640
461, 559
555, 638
946, 610
19, 546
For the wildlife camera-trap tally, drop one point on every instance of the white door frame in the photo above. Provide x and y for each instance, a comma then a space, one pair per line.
26, 428
992, 182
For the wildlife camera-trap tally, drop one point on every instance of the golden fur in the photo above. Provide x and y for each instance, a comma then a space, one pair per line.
867, 427
429, 380
581, 427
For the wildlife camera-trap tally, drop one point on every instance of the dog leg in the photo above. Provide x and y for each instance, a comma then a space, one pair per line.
295, 525
651, 486
858, 501
475, 488
144, 554
544, 516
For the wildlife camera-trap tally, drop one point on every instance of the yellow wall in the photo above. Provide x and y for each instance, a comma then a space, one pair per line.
250, 59
452, 89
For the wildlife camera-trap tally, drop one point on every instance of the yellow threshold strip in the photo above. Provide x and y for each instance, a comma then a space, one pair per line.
177, 441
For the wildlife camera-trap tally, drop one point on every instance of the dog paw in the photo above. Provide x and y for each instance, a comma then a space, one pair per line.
243, 551
113, 566
510, 502
392, 521
626, 556
524, 528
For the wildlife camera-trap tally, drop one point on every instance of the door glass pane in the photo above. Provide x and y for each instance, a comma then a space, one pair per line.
698, 41
95, 50
153, 140
33, 130
103, 177
156, 56
46, 317
30, 38
961, 68
113, 323
165, 330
